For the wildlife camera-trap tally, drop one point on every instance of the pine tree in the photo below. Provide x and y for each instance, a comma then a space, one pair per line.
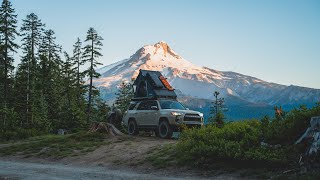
69, 96
32, 29
8, 33
68, 78
77, 52
124, 96
216, 110
50, 80
20, 92
265, 123
101, 111
90, 54
50, 61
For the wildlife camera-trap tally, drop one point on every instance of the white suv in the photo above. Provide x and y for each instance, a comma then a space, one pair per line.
162, 116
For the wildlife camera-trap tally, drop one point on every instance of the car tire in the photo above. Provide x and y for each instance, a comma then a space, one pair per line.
133, 128
165, 130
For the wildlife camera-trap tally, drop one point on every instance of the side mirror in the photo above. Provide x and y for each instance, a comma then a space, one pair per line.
154, 108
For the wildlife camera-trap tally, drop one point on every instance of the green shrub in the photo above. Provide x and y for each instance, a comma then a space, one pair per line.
18, 134
237, 141
289, 129
240, 141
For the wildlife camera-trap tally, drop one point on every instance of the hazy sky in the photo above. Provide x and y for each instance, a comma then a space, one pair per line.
274, 40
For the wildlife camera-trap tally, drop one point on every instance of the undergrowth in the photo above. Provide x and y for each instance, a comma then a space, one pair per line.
56, 146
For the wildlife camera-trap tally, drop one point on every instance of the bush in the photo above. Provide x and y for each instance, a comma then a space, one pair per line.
240, 141
286, 131
18, 134
237, 141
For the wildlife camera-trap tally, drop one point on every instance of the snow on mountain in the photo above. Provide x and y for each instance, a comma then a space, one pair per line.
107, 68
197, 81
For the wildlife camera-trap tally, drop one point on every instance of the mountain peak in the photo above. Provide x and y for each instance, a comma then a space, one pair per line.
161, 49
161, 42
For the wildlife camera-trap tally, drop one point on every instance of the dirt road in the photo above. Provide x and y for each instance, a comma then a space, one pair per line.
120, 158
23, 170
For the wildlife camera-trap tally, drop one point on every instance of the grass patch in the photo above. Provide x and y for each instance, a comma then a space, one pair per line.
162, 157
56, 146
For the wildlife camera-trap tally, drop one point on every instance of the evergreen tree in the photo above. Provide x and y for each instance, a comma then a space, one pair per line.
71, 110
69, 97
216, 110
8, 33
124, 96
265, 123
90, 54
101, 111
32, 29
50, 79
46, 93
77, 52
20, 92
50, 61
68, 78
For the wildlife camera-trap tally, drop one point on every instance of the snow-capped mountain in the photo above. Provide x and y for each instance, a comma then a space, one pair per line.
199, 82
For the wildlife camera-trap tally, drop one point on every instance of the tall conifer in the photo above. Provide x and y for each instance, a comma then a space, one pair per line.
8, 33
31, 31
91, 54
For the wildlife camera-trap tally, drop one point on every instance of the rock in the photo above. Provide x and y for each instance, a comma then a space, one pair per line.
62, 131
312, 134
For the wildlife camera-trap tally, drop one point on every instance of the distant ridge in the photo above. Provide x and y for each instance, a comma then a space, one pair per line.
200, 82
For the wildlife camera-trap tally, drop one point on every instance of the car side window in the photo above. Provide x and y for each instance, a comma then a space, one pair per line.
146, 105
132, 105
142, 106
152, 103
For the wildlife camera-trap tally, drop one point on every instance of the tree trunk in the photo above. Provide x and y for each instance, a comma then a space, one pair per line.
78, 81
90, 86
5, 83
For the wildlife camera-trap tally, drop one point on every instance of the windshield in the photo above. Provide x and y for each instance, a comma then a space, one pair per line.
167, 104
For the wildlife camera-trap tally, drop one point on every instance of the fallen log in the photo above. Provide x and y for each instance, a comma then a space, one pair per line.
106, 128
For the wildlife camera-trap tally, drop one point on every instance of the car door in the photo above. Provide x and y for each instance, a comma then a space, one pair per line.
153, 113
146, 115
141, 113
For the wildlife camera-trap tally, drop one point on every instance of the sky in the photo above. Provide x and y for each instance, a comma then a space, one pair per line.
274, 40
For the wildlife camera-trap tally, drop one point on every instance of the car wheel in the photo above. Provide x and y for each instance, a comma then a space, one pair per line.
132, 128
165, 130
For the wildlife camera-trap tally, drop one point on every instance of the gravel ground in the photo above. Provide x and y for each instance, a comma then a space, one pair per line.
121, 158
33, 171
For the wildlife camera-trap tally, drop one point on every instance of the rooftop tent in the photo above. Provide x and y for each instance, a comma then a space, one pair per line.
151, 84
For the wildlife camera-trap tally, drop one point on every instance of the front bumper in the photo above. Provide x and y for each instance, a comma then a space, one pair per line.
179, 120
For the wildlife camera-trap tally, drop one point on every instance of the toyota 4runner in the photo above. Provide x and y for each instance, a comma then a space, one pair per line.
163, 116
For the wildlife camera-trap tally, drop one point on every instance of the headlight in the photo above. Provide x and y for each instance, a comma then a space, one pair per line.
176, 114
201, 114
